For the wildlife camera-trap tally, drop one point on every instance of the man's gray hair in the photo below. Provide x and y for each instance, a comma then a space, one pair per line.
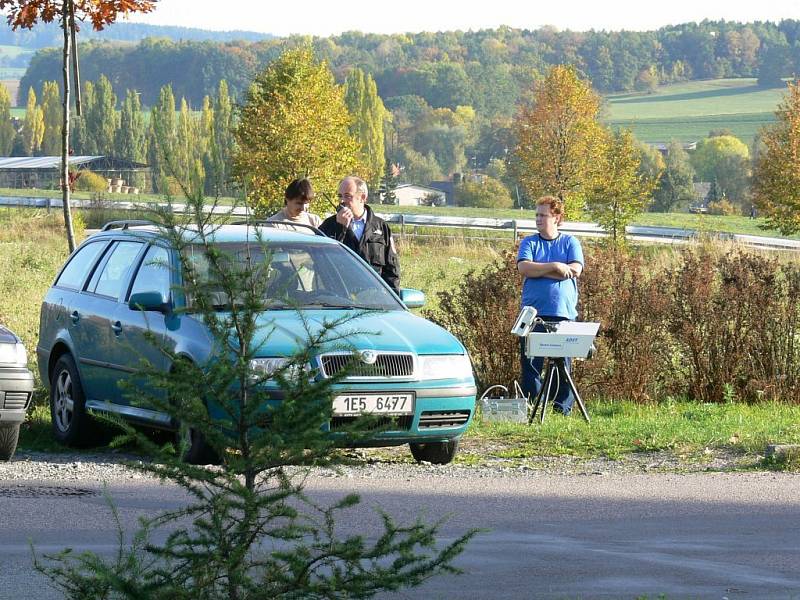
361, 185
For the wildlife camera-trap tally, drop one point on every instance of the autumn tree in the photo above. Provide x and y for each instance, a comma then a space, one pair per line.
622, 189
222, 146
130, 140
675, 185
7, 132
82, 142
189, 149
33, 126
100, 13
726, 160
367, 111
776, 174
162, 134
486, 193
101, 117
51, 113
294, 123
559, 138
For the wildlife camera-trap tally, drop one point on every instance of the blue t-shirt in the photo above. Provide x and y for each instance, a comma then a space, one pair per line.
551, 297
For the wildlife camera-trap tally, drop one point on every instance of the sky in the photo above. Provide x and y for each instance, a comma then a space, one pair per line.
331, 17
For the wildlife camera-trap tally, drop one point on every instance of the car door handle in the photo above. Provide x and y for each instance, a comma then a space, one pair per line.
116, 327
75, 317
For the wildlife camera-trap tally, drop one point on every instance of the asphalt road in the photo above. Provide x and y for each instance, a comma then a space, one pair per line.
701, 535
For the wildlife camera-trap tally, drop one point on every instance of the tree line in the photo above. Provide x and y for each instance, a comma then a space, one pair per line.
486, 69
295, 120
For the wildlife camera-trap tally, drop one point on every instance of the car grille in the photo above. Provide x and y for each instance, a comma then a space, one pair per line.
16, 400
434, 419
402, 423
385, 365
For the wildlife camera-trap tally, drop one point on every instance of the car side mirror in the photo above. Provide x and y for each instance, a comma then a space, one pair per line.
412, 298
148, 301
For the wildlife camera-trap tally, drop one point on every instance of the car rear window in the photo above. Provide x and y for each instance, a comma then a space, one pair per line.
78, 267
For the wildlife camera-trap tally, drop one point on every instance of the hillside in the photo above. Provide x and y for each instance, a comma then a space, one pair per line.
688, 111
49, 34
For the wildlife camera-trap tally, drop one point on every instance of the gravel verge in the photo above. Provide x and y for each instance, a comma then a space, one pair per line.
475, 460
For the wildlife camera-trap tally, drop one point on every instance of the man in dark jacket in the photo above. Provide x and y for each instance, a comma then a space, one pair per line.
357, 227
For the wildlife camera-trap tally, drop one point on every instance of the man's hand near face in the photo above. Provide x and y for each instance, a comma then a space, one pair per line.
344, 216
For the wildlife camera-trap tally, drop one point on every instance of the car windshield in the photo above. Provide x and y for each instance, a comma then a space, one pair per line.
300, 276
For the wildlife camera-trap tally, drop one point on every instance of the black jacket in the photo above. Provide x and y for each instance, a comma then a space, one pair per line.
376, 245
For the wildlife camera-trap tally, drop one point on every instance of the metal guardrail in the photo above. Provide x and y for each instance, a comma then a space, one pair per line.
671, 235
634, 232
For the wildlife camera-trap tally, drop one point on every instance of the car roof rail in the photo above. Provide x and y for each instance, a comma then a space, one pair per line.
278, 224
125, 223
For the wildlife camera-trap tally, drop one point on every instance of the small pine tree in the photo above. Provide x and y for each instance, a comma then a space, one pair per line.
388, 185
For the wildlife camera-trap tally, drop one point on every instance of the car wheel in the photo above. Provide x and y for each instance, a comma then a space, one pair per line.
9, 435
196, 450
438, 453
72, 425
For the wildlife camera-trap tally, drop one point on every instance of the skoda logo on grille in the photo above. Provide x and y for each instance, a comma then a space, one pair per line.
368, 357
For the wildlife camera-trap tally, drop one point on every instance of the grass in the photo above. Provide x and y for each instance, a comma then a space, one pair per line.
688, 429
32, 248
688, 111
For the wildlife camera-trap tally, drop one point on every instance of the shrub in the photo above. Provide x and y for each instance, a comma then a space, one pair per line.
736, 318
89, 181
480, 313
710, 323
488, 193
619, 290
722, 207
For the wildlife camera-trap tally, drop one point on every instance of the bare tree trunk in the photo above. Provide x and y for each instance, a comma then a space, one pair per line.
65, 183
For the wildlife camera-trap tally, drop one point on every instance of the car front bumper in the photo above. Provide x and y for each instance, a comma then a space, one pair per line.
16, 388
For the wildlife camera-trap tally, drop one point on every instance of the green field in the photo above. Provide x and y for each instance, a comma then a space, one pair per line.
688, 111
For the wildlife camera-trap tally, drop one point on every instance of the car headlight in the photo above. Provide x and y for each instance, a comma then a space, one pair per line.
13, 354
266, 367
445, 366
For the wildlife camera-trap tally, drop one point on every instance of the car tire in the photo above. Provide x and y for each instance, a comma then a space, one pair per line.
437, 453
196, 450
72, 425
9, 436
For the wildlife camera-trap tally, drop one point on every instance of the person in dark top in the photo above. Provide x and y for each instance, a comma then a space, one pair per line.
358, 228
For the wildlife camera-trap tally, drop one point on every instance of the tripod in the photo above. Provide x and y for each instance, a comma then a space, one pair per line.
555, 367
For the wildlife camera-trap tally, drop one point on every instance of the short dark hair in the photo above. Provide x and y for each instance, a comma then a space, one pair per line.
299, 188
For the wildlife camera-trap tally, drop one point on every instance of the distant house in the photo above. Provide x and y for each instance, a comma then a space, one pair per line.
449, 189
44, 172
409, 194
662, 147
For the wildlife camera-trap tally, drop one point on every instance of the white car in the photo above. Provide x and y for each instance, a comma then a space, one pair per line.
16, 388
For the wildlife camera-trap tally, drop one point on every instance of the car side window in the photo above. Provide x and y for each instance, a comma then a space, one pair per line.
154, 274
75, 272
110, 277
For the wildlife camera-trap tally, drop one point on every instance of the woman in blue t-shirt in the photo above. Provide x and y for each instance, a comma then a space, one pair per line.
550, 262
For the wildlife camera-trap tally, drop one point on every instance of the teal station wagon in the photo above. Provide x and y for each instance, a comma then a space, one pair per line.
91, 319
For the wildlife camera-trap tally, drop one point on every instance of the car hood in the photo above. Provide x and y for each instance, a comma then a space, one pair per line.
282, 332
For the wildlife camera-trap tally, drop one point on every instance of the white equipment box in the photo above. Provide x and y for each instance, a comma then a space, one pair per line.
570, 339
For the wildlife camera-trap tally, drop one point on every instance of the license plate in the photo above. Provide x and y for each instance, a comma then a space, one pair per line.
386, 404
